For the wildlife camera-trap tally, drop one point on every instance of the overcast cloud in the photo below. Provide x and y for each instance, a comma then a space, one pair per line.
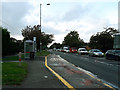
12, 14
60, 18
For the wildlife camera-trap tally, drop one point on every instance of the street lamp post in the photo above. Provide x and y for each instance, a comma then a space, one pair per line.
41, 26
40, 17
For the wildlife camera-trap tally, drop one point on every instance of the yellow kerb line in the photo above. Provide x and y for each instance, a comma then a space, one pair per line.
109, 86
103, 83
58, 76
90, 75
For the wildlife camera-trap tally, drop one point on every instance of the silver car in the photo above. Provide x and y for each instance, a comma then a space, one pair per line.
96, 52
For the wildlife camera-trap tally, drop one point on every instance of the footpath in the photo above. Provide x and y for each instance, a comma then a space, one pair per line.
39, 77
55, 72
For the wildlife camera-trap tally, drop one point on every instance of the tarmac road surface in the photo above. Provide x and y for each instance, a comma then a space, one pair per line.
100, 67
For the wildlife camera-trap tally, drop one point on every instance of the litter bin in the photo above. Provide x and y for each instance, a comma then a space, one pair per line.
31, 55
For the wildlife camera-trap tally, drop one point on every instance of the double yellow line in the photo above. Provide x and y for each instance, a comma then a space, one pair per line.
58, 76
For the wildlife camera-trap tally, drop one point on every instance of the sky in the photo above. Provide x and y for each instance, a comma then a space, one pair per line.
87, 17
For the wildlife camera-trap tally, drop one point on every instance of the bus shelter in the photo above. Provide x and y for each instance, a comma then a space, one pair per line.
28, 49
116, 44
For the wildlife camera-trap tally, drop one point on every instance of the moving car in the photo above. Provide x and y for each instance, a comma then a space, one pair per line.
73, 50
113, 54
96, 52
82, 51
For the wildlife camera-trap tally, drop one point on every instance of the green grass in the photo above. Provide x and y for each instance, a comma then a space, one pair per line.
13, 58
12, 73
43, 53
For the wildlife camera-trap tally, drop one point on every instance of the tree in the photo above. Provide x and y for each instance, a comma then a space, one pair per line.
56, 45
110, 31
5, 41
72, 39
30, 32
103, 40
9, 45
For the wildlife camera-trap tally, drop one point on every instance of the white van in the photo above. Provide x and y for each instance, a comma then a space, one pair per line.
82, 51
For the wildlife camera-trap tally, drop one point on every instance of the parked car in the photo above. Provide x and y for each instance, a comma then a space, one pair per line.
59, 50
66, 49
73, 50
96, 52
82, 51
113, 54
62, 50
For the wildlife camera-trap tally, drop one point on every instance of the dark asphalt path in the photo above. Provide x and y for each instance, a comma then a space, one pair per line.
39, 77
104, 69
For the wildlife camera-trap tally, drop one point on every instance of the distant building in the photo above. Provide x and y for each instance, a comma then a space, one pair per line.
116, 44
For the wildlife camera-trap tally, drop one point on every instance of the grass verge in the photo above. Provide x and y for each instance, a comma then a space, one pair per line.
43, 53
13, 57
12, 73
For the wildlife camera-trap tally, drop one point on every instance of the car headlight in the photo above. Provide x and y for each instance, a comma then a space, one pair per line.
96, 53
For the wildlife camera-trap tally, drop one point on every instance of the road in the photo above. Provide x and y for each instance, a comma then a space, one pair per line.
107, 70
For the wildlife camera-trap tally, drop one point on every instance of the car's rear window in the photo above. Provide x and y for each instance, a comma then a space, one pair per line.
83, 49
117, 51
96, 50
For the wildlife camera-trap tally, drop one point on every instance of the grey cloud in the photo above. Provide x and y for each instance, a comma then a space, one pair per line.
77, 12
12, 13
50, 30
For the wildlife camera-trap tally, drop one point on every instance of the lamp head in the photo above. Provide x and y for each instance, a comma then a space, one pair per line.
48, 4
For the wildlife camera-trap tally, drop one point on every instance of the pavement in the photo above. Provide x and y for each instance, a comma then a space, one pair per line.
55, 72
38, 77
